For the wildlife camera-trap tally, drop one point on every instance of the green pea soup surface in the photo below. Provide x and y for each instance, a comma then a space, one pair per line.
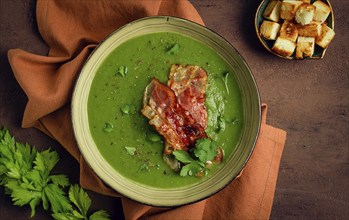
115, 103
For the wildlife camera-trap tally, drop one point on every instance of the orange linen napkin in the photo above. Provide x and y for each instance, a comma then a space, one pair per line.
72, 29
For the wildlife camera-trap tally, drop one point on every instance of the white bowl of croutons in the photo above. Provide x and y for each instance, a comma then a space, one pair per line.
295, 29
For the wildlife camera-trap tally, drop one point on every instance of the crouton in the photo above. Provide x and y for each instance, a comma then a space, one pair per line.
313, 29
322, 11
272, 11
289, 31
284, 47
305, 13
326, 36
305, 47
288, 9
269, 30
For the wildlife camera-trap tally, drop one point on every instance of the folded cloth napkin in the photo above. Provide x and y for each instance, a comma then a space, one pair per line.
72, 29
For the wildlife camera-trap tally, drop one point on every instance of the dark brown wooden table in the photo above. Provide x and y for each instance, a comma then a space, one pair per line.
309, 99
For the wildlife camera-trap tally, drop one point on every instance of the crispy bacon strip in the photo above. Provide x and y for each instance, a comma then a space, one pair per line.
176, 124
189, 84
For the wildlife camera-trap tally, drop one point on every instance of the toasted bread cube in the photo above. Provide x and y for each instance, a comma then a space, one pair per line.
305, 47
305, 13
269, 30
288, 9
322, 11
289, 31
284, 47
306, 1
326, 36
309, 30
272, 11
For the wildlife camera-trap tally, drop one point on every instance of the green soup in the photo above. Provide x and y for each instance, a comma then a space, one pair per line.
120, 83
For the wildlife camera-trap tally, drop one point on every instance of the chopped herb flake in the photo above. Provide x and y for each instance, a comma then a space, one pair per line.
153, 137
128, 109
123, 70
131, 150
125, 109
174, 49
225, 80
144, 167
108, 127
132, 109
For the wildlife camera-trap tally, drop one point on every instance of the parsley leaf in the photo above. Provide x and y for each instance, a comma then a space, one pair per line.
45, 161
205, 149
183, 156
191, 169
82, 202
25, 174
57, 198
99, 215
80, 198
60, 180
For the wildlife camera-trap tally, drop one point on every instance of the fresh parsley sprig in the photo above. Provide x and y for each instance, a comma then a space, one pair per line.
26, 175
205, 150
82, 202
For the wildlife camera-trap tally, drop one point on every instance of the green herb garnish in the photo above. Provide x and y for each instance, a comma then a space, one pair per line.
183, 156
131, 150
205, 150
128, 109
192, 169
123, 70
26, 175
108, 127
153, 137
144, 167
174, 49
225, 80
82, 202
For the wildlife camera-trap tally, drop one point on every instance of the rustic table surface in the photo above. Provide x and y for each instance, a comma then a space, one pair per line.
309, 99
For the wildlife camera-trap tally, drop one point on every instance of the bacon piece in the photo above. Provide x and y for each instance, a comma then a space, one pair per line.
189, 84
178, 127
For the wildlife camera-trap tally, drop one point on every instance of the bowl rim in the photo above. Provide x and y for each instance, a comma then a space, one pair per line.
75, 98
256, 27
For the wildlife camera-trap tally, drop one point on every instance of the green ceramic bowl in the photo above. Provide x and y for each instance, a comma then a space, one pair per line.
268, 44
234, 163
